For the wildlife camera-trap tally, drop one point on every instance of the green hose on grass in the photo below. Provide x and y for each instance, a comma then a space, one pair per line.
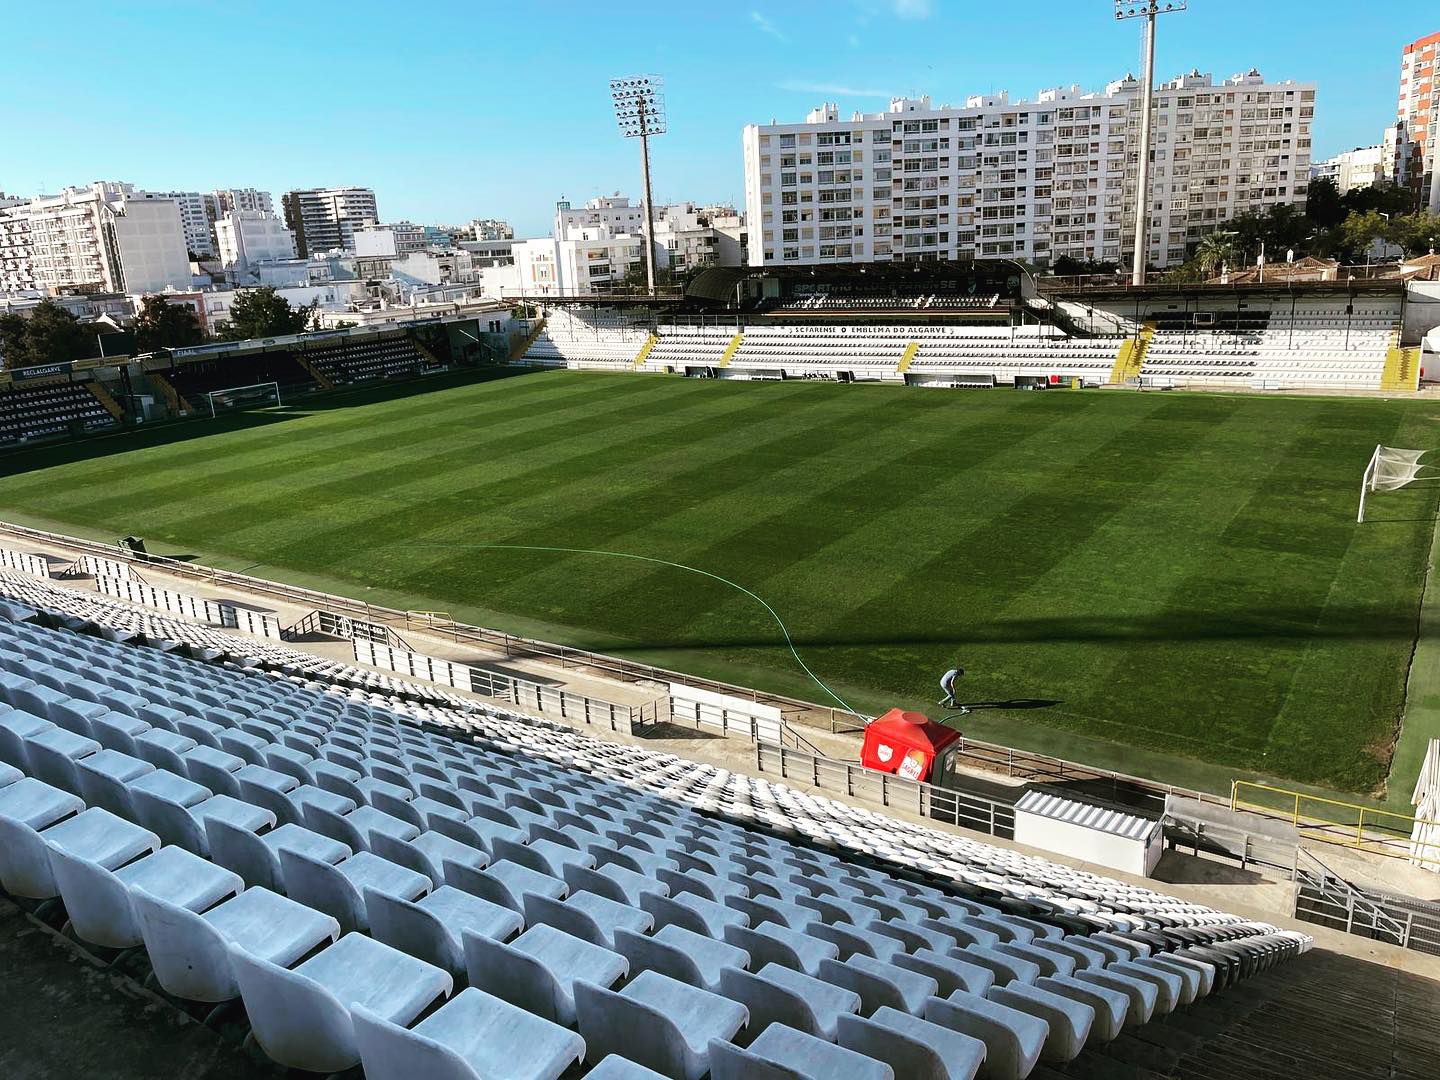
789, 642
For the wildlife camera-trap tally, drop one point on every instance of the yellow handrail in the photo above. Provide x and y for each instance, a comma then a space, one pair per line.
1334, 821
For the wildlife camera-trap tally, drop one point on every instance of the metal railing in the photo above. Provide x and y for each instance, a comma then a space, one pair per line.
509, 645
1325, 898
969, 811
1333, 821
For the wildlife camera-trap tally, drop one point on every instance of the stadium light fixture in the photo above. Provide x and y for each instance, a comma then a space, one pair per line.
1147, 10
639, 102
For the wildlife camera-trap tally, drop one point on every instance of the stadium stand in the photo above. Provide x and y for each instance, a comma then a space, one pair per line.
192, 381
357, 360
341, 861
1321, 345
588, 344
46, 411
122, 621
1315, 343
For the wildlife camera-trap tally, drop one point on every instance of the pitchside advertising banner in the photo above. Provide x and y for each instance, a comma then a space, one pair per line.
44, 371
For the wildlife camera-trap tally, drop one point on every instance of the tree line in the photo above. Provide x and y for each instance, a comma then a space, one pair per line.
51, 334
1331, 226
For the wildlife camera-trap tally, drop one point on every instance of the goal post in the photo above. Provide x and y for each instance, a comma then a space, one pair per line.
262, 394
1391, 468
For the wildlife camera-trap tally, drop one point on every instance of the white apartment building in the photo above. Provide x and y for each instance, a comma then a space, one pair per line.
1354, 169
324, 219
228, 199
197, 212
490, 229
397, 238
1027, 180
106, 236
247, 237
589, 260
15, 269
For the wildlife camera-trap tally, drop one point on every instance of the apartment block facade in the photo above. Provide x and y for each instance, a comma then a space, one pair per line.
324, 219
1414, 146
1025, 180
246, 237
107, 237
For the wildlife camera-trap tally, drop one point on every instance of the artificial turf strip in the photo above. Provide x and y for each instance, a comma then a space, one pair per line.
1179, 573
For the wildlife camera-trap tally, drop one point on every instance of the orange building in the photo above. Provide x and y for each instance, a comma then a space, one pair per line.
1418, 115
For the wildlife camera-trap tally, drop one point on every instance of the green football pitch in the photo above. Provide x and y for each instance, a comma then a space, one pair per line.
1130, 578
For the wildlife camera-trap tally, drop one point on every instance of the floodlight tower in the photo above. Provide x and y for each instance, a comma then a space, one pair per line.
640, 111
1147, 10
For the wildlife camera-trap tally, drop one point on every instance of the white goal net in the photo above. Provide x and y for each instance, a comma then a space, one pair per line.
256, 395
1390, 469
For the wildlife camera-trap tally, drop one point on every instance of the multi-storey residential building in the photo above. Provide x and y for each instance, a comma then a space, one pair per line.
228, 199
246, 237
326, 218
1027, 180
396, 238
489, 229
1354, 169
197, 215
1414, 146
107, 237
16, 272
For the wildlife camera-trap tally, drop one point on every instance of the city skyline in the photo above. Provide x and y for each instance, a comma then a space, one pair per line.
542, 110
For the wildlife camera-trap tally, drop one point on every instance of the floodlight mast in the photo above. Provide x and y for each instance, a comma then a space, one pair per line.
1146, 9
640, 111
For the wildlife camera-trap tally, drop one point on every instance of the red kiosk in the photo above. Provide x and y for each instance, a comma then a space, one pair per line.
908, 744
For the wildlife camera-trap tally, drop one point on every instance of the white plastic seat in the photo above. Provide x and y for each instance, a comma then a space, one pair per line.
474, 1036
190, 954
301, 1018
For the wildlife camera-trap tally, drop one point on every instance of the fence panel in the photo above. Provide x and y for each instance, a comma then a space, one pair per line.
960, 808
27, 562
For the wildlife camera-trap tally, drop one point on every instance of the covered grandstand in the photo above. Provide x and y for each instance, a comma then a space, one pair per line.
994, 325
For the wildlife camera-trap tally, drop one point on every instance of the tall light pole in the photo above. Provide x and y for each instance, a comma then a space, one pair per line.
639, 102
1147, 10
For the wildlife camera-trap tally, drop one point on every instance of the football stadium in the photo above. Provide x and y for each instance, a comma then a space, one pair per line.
571, 680
737, 645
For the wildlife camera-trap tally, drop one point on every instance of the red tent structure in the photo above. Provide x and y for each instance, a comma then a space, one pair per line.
905, 743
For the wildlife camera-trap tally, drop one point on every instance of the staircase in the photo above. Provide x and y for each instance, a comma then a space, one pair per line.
314, 372
1131, 357
731, 350
645, 350
1402, 367
178, 405
524, 346
103, 396
908, 357
425, 351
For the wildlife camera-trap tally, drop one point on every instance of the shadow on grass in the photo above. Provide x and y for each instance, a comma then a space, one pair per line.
1334, 622
46, 455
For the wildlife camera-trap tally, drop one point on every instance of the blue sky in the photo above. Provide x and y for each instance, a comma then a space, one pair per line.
453, 110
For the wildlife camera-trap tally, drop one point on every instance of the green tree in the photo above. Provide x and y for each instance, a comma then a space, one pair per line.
1322, 203
1360, 231
51, 335
1416, 234
162, 325
1214, 250
1389, 199
263, 312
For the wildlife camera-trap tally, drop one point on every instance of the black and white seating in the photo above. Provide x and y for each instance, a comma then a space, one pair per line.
595, 899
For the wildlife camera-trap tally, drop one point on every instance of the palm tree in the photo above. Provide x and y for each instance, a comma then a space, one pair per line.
1214, 251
